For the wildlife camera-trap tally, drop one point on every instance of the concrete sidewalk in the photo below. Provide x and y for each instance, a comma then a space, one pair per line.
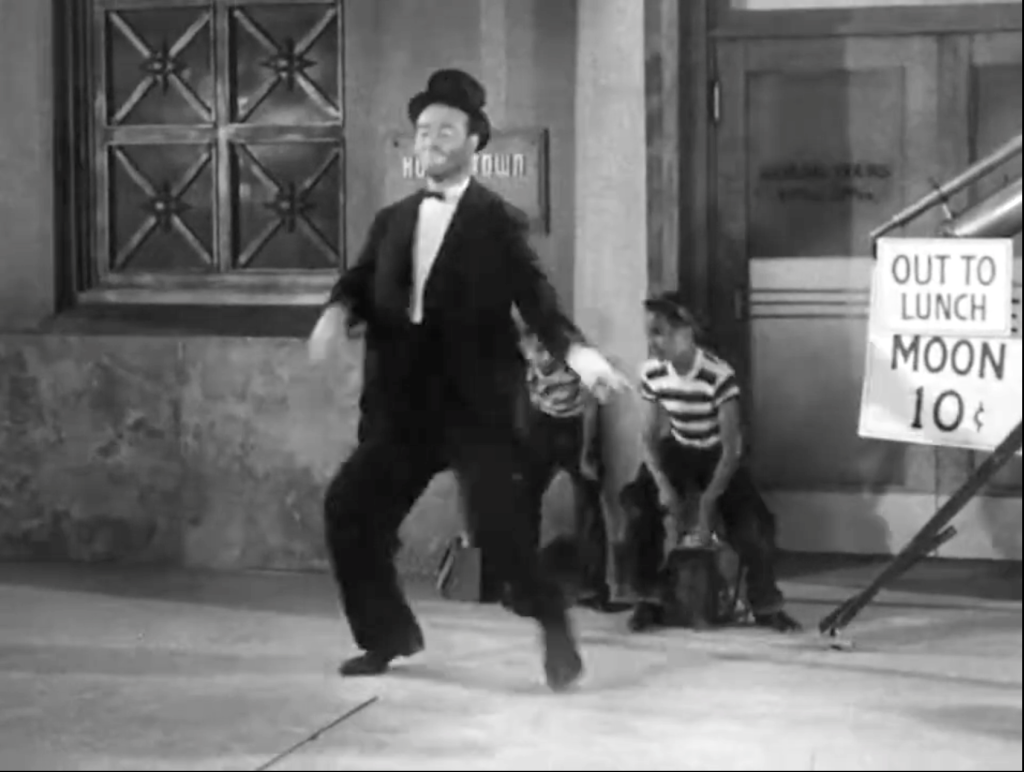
104, 668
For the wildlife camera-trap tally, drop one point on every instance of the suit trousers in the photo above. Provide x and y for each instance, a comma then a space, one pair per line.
556, 444
374, 490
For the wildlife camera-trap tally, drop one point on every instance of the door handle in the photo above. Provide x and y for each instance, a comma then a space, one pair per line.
739, 304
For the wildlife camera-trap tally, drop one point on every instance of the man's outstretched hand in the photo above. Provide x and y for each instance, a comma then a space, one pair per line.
598, 375
334, 322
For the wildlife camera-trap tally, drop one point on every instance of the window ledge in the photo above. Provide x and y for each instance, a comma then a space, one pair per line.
222, 290
185, 320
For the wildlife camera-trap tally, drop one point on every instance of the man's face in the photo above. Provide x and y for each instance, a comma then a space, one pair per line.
443, 144
668, 341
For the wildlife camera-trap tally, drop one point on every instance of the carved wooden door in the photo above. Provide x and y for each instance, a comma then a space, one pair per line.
219, 141
819, 141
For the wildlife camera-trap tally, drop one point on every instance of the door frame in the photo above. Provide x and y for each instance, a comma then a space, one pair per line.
726, 276
879, 20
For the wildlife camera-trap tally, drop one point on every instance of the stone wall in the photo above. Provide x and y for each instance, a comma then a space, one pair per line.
201, 451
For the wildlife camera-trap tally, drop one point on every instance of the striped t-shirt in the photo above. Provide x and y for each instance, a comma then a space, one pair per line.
555, 389
692, 400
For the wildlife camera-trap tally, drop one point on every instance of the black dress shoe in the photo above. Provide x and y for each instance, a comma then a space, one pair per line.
563, 665
779, 621
373, 663
600, 600
368, 664
593, 598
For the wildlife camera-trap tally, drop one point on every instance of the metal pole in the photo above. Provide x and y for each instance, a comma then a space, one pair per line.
928, 537
997, 217
958, 183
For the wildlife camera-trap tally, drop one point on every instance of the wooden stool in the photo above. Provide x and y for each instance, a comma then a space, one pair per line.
701, 588
691, 589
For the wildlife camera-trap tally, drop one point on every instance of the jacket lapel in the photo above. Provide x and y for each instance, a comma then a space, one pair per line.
394, 269
394, 274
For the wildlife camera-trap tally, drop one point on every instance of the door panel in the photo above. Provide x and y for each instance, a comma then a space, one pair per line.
161, 202
805, 201
288, 212
219, 138
281, 152
820, 141
155, 139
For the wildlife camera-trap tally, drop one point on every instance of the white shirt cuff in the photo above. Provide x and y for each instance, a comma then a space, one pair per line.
587, 363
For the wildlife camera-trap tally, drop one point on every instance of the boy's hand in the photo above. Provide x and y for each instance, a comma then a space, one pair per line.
589, 467
670, 501
598, 375
355, 328
707, 513
334, 325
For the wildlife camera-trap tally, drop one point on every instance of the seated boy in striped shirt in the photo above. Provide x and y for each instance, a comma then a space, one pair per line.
693, 444
562, 432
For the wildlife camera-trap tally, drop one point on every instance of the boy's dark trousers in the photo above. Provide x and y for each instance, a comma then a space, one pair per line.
556, 444
748, 523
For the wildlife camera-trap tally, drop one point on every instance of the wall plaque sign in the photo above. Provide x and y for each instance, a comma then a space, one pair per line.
514, 165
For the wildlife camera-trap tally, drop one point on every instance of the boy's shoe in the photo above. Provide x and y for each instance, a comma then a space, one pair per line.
698, 540
600, 600
645, 616
779, 621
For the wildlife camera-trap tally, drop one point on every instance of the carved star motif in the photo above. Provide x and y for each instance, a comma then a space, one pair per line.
162, 65
288, 64
165, 206
289, 205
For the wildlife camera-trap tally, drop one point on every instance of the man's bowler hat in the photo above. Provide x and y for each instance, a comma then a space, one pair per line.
460, 90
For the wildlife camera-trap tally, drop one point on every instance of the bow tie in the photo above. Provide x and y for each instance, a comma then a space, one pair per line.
436, 194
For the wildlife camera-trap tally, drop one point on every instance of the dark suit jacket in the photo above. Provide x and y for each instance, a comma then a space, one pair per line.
463, 362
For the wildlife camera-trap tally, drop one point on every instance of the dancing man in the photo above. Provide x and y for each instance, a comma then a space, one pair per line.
434, 287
